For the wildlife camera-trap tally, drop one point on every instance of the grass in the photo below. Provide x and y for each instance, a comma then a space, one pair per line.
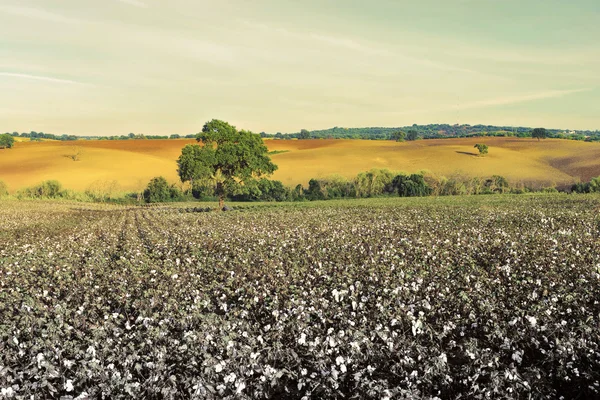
133, 163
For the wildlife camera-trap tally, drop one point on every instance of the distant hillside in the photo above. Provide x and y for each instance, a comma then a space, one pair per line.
431, 131
128, 165
437, 131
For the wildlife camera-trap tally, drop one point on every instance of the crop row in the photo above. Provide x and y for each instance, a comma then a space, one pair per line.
414, 300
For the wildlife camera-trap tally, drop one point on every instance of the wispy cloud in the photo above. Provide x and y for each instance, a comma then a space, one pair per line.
507, 100
498, 101
363, 46
135, 3
41, 78
37, 13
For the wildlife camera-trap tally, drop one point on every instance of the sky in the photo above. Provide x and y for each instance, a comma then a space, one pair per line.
110, 67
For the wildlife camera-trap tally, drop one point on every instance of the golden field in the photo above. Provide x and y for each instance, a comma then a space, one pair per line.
132, 163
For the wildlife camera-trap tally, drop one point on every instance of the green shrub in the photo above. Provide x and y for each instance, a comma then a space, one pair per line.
157, 191
6, 141
3, 189
50, 189
374, 182
411, 185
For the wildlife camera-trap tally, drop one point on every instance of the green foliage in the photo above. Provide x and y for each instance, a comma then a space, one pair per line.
374, 182
227, 157
412, 135
202, 189
48, 189
304, 134
593, 186
273, 152
261, 189
6, 141
159, 191
314, 191
539, 133
3, 189
497, 184
483, 149
333, 187
411, 185
399, 136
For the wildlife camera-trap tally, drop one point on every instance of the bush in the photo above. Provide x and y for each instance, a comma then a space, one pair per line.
6, 141
374, 182
595, 185
411, 186
48, 189
496, 184
159, 191
314, 191
3, 189
202, 190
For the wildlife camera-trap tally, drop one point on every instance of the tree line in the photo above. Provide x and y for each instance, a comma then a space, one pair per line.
412, 132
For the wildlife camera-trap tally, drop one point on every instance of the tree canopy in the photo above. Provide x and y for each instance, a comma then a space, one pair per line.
412, 135
304, 134
483, 148
399, 136
6, 141
539, 133
227, 158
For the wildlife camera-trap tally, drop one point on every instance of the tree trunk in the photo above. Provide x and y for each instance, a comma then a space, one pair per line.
221, 202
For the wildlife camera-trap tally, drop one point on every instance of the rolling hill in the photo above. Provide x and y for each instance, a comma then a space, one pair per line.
132, 163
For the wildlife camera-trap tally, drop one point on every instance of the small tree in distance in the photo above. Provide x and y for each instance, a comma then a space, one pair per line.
304, 134
539, 133
483, 149
6, 141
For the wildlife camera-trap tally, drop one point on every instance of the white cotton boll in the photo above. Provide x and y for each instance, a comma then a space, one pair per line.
302, 340
239, 387
69, 385
218, 368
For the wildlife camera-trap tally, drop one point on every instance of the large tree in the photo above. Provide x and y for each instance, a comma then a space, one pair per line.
227, 157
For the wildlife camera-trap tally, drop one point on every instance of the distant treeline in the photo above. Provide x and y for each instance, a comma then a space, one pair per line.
372, 183
413, 132
432, 131
34, 136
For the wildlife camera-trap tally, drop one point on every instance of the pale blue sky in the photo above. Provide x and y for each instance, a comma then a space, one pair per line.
161, 67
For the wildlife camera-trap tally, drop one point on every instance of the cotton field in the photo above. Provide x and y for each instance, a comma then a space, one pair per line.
498, 297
